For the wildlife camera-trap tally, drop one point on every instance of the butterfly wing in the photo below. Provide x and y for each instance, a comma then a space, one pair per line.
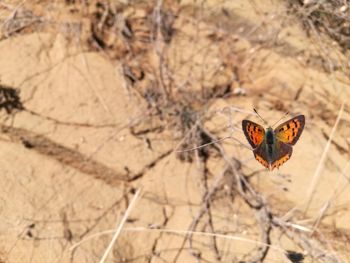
290, 131
254, 133
282, 154
260, 155
287, 134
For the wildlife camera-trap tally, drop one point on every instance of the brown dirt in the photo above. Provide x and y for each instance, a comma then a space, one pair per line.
101, 98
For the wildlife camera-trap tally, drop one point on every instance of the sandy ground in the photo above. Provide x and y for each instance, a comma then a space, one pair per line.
108, 99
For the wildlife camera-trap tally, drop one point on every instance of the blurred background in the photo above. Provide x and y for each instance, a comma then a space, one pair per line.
103, 99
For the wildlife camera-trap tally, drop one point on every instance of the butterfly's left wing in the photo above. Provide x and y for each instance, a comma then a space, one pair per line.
260, 155
290, 131
254, 133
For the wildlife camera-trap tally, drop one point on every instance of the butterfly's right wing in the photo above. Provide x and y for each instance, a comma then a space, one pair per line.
282, 154
290, 131
254, 133
287, 134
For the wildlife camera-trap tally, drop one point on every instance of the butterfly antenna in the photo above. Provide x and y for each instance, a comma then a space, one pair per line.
260, 116
284, 115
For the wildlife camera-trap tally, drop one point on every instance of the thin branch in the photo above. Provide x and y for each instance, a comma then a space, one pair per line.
120, 226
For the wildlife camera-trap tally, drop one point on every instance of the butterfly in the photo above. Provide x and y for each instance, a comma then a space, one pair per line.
273, 147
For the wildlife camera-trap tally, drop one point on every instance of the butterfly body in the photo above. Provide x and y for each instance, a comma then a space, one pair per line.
270, 142
273, 147
267, 146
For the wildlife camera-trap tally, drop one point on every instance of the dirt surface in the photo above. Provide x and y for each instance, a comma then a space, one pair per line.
101, 100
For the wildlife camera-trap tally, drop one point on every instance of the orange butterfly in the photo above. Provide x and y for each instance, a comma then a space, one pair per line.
273, 147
